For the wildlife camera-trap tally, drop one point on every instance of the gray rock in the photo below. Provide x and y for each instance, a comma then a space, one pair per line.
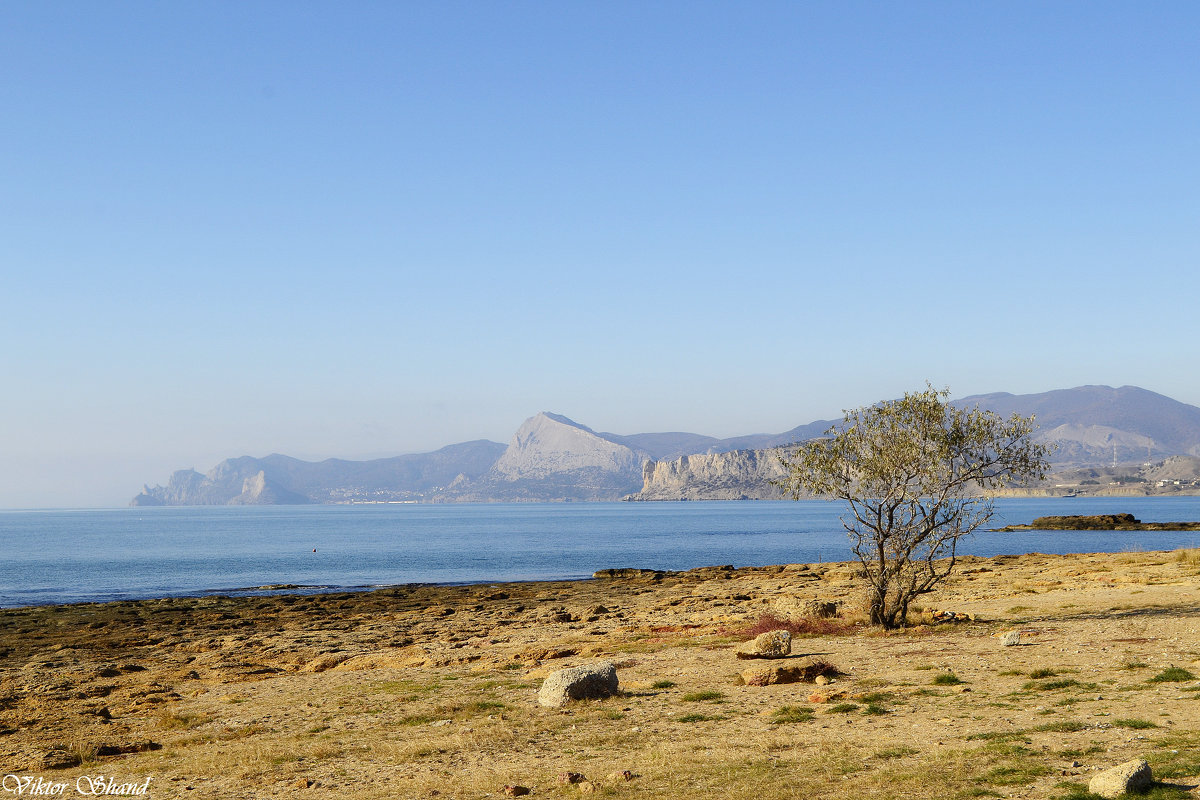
772, 644
591, 681
821, 609
1132, 776
1011, 638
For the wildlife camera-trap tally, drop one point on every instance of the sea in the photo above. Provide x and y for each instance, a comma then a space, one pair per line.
72, 556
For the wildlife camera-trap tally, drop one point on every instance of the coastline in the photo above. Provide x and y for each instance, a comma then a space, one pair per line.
408, 691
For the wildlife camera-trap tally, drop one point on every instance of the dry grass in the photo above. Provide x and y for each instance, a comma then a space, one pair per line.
460, 720
803, 626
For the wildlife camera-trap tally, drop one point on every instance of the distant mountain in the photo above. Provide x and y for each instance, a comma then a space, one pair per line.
553, 458
280, 479
1102, 425
667, 446
1093, 428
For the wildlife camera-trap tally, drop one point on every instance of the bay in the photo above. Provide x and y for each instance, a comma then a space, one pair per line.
66, 556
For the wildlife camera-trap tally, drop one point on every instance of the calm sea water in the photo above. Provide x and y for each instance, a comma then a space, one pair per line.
133, 553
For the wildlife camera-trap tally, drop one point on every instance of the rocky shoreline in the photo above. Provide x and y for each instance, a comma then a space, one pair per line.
431, 691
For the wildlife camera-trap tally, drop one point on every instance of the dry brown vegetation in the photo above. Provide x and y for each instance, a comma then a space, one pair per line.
429, 691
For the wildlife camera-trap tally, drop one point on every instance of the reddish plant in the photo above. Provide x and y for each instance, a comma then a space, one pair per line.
804, 626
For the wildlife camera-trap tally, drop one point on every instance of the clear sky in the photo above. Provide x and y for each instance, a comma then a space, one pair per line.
361, 229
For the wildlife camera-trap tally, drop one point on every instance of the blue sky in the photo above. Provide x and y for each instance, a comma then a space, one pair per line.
360, 229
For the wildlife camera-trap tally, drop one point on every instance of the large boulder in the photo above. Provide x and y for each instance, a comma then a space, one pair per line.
772, 644
591, 681
803, 670
1132, 776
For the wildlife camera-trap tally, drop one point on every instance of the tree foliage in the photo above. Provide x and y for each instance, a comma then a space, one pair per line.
916, 475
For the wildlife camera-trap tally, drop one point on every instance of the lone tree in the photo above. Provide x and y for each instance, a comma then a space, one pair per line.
916, 475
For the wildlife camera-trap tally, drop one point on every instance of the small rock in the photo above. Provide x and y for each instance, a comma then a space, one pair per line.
772, 644
621, 775
59, 758
1011, 638
587, 787
303, 783
821, 680
126, 749
516, 791
1132, 776
439, 723
571, 777
579, 683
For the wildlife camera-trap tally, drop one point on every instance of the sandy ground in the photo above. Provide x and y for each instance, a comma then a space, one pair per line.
431, 691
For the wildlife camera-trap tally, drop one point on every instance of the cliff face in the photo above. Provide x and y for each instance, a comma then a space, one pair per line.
737, 475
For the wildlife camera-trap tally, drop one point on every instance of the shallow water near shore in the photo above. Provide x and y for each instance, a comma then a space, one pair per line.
66, 556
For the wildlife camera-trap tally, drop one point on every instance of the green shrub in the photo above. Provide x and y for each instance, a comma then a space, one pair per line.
1174, 675
790, 714
1135, 724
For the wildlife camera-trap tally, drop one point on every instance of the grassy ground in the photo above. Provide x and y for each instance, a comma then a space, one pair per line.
430, 692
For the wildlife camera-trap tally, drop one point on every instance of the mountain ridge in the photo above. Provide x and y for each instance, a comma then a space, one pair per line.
552, 457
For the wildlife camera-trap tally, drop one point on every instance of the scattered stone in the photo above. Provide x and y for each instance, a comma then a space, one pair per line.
1132, 776
587, 787
821, 609
515, 791
571, 777
126, 749
772, 644
325, 662
629, 572
592, 681
826, 697
621, 775
59, 758
821, 680
548, 653
799, 671
302, 783
1011, 638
